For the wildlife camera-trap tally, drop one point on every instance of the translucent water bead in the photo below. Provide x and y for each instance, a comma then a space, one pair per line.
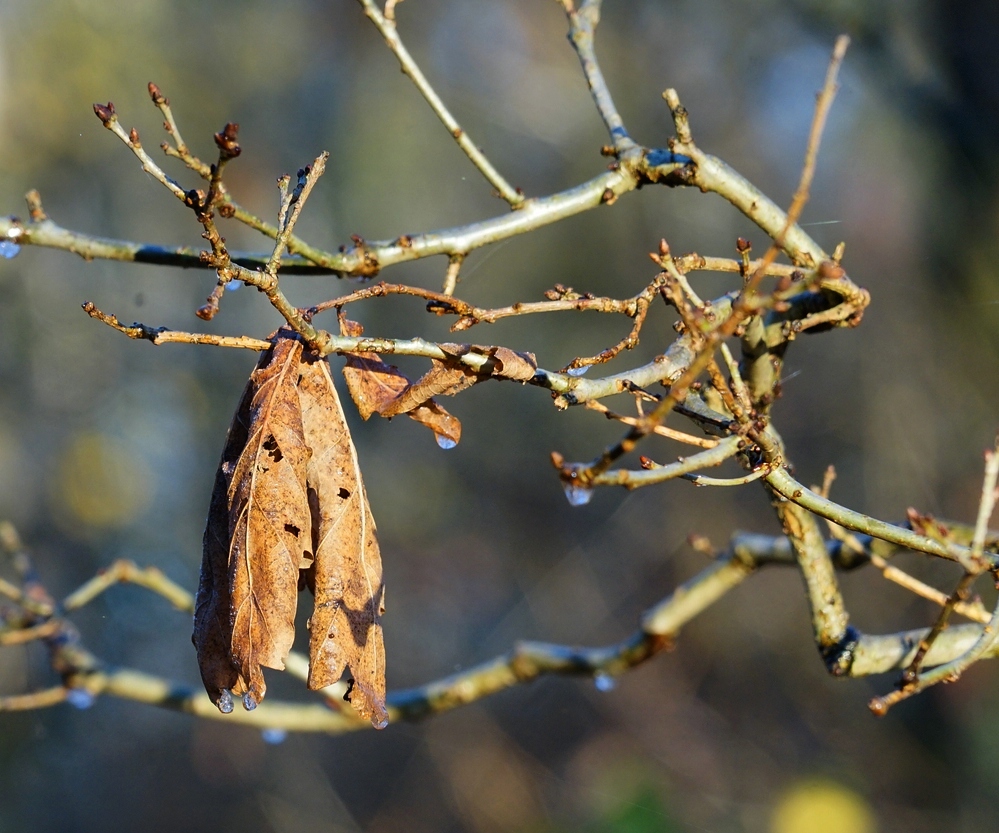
225, 701
577, 495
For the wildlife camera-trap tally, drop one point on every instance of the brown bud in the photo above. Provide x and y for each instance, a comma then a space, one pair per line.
743, 246
158, 98
663, 247
133, 137
207, 311
878, 707
106, 113
227, 210
227, 143
830, 271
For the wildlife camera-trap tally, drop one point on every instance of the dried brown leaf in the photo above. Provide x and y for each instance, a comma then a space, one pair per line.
258, 535
289, 510
502, 362
520, 367
379, 388
441, 380
446, 427
347, 573
373, 384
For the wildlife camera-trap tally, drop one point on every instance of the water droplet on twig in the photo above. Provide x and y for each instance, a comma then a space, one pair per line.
604, 682
80, 698
445, 442
232, 286
248, 702
578, 371
9, 249
380, 724
274, 736
577, 495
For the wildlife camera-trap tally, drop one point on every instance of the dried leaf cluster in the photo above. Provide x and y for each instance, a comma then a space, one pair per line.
289, 511
381, 388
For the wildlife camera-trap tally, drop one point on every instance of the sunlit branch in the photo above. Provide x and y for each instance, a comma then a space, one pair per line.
582, 26
386, 25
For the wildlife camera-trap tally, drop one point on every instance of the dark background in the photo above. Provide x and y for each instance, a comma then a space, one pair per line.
108, 447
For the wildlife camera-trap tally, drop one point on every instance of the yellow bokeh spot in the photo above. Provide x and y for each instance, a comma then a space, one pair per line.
100, 483
822, 807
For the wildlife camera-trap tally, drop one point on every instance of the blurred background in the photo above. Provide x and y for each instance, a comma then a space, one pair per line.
108, 447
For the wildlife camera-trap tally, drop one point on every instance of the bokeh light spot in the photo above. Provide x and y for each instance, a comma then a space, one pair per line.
101, 483
822, 807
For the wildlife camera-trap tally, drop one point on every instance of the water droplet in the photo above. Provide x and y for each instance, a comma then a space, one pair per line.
380, 723
577, 495
445, 442
80, 698
578, 371
604, 682
232, 286
225, 702
248, 702
274, 736
9, 249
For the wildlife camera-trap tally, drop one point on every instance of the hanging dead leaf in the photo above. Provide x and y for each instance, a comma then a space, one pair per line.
446, 426
289, 510
441, 380
378, 388
347, 572
259, 527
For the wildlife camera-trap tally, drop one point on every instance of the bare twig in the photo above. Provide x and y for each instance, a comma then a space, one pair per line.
160, 335
726, 449
970, 610
792, 490
582, 25
128, 572
385, 23
661, 430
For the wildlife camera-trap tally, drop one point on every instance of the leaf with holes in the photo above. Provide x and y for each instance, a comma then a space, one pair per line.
346, 576
258, 537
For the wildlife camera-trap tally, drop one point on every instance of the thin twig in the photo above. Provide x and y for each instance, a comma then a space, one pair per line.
661, 430
451, 275
128, 572
784, 484
704, 480
582, 25
970, 610
160, 335
726, 449
386, 25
